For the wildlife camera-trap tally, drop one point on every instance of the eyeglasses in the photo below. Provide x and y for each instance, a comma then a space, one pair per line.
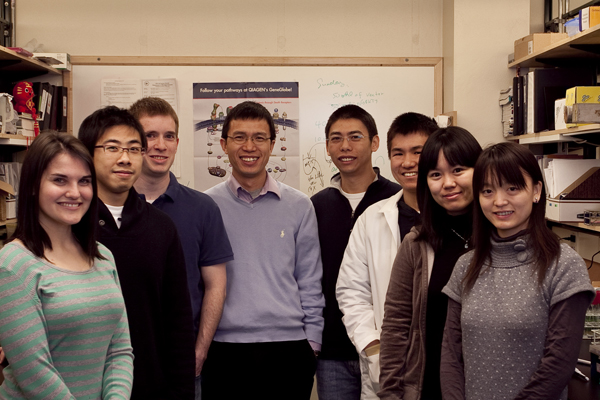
350, 138
114, 150
241, 139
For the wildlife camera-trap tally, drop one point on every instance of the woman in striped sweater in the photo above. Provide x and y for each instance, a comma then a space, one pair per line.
63, 325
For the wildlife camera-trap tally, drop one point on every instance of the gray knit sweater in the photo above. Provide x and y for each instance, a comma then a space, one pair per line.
505, 316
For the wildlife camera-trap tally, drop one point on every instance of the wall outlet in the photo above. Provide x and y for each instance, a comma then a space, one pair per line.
565, 232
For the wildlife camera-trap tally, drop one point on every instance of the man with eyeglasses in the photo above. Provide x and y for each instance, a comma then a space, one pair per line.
148, 256
196, 215
366, 265
352, 138
272, 321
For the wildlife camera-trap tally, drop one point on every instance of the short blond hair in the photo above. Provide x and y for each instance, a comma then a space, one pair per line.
152, 106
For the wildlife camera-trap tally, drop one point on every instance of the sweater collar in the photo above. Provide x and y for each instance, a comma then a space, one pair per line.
506, 250
132, 209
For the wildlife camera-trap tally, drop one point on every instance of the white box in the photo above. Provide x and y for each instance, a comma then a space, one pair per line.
11, 208
56, 60
559, 114
567, 210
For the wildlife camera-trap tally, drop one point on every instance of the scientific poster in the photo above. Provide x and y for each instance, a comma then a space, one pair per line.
212, 102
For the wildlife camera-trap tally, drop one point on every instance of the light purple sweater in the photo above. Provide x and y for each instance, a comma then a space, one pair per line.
274, 284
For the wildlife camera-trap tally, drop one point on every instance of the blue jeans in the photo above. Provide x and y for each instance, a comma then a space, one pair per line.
338, 380
198, 388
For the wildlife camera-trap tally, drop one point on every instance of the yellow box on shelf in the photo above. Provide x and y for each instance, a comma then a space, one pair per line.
581, 95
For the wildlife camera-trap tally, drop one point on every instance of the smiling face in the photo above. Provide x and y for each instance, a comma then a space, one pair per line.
117, 172
404, 159
248, 160
451, 186
352, 157
162, 139
65, 192
507, 206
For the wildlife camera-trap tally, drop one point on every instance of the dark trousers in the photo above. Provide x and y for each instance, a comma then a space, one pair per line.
274, 370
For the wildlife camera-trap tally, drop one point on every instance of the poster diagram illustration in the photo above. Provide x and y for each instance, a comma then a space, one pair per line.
211, 104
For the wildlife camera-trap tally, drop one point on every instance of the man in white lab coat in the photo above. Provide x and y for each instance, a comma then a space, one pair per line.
365, 271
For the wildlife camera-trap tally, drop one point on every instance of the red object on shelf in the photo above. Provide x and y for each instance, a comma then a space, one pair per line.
21, 51
22, 97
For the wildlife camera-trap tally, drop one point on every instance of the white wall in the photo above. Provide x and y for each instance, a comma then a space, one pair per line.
234, 27
484, 35
474, 37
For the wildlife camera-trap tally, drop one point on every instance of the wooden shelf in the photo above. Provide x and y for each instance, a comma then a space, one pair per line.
17, 67
584, 46
15, 140
8, 221
581, 225
560, 135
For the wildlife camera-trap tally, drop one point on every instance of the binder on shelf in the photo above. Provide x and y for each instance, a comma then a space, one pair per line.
546, 85
56, 92
529, 101
40, 99
45, 125
518, 127
61, 118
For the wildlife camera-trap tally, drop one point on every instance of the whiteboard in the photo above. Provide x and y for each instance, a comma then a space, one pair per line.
384, 91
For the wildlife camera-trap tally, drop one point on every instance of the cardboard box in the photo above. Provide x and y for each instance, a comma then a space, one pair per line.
581, 95
56, 60
536, 42
589, 17
5, 190
582, 114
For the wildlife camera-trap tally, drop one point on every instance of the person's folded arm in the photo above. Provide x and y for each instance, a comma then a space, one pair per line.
452, 368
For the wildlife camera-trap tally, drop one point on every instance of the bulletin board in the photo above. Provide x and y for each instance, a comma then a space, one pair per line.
385, 87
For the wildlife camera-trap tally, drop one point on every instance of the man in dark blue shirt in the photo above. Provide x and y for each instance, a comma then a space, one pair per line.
196, 215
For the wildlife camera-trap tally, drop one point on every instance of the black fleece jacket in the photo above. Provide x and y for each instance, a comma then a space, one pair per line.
153, 278
336, 220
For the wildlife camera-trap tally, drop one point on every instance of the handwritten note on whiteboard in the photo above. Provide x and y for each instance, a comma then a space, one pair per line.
385, 92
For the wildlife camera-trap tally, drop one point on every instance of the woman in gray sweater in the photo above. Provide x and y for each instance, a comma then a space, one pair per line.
518, 301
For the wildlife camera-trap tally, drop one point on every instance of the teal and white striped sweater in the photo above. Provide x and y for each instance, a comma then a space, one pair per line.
65, 333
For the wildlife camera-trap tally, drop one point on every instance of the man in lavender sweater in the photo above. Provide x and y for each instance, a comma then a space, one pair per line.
270, 332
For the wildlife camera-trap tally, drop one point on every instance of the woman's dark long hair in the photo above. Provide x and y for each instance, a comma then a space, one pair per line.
509, 163
43, 150
459, 148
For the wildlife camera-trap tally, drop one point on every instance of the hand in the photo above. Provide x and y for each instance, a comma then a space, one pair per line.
372, 344
200, 358
3, 360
